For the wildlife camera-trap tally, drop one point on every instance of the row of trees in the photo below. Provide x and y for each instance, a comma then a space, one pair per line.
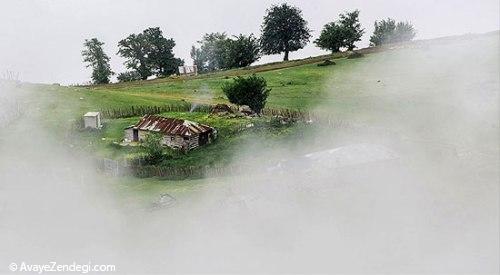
217, 51
284, 30
146, 53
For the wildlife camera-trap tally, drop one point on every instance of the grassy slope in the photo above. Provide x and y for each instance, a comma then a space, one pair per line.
351, 90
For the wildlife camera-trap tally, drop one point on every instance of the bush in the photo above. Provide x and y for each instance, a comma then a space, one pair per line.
128, 76
251, 91
153, 147
354, 55
327, 62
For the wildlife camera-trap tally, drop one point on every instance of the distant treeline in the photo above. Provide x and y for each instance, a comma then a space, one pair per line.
283, 30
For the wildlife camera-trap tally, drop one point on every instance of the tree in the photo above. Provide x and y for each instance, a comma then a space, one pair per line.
404, 32
284, 30
160, 57
128, 76
96, 58
198, 58
351, 29
212, 54
388, 31
342, 33
251, 91
218, 52
134, 48
149, 53
331, 37
243, 51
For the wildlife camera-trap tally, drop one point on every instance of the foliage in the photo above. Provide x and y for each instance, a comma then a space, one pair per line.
128, 76
351, 27
388, 31
212, 53
160, 56
243, 51
342, 33
134, 49
284, 30
153, 147
198, 58
149, 53
96, 58
251, 91
217, 52
331, 37
404, 32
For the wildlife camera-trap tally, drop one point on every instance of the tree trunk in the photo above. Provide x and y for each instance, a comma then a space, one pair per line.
286, 56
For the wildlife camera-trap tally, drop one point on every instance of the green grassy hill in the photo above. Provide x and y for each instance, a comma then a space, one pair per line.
376, 90
401, 91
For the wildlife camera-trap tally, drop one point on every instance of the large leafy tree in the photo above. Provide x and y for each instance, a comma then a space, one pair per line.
135, 49
331, 37
198, 58
351, 28
251, 91
212, 54
98, 60
217, 51
243, 51
149, 53
284, 30
388, 31
342, 33
404, 32
160, 57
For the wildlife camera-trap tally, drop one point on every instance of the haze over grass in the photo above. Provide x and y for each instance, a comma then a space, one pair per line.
433, 210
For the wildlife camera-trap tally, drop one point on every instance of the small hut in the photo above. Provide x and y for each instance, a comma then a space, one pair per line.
177, 133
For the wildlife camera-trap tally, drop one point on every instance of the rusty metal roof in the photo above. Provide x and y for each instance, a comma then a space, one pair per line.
171, 126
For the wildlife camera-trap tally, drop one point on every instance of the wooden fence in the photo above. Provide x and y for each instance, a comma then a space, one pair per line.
124, 168
298, 115
144, 110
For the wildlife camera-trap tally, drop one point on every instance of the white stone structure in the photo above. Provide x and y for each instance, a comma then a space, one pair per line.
92, 120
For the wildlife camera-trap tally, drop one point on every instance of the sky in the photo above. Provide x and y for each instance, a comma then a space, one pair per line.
41, 40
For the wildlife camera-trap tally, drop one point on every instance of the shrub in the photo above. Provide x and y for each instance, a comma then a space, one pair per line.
251, 91
354, 55
128, 76
153, 147
327, 62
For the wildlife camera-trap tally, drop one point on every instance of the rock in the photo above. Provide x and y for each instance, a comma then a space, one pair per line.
246, 110
164, 201
221, 109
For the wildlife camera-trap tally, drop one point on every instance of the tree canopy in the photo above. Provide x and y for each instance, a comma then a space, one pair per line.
98, 60
388, 31
212, 53
149, 53
251, 91
284, 30
331, 37
243, 51
342, 33
160, 55
218, 51
351, 28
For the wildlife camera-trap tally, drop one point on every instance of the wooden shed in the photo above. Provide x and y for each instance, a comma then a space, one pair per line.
177, 133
